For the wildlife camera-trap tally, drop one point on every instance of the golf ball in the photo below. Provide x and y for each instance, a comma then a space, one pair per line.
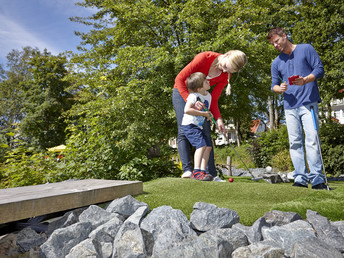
268, 169
230, 180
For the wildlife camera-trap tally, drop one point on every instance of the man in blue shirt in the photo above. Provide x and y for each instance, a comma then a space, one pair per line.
294, 74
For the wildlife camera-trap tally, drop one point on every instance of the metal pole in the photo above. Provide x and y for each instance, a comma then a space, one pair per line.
319, 147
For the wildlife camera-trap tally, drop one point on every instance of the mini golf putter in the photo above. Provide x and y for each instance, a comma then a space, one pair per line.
319, 147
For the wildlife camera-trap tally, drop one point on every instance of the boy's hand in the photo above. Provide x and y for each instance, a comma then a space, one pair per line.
199, 105
208, 115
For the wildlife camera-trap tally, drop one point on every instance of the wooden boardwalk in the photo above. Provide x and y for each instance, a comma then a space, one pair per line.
30, 201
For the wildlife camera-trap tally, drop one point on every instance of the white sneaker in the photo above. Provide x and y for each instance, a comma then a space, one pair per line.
187, 174
217, 179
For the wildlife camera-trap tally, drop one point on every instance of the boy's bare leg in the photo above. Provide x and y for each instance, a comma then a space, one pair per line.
198, 157
205, 157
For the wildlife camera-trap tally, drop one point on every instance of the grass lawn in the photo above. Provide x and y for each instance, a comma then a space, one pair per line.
250, 199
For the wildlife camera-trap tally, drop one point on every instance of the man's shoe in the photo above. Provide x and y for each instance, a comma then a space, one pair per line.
300, 185
321, 186
208, 177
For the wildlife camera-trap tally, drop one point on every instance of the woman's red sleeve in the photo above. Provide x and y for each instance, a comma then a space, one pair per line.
215, 95
194, 66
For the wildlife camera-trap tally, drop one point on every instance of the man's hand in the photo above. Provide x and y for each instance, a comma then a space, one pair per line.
303, 80
283, 87
280, 88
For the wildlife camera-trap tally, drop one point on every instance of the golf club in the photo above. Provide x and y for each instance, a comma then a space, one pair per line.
225, 135
318, 141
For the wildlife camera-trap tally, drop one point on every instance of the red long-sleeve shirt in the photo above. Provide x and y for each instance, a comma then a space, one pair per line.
202, 63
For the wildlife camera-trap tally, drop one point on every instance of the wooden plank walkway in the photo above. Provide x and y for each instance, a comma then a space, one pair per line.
30, 201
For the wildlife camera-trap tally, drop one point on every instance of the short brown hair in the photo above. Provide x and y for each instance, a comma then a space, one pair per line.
277, 30
195, 81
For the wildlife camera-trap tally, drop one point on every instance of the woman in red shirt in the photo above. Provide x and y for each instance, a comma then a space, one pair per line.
218, 69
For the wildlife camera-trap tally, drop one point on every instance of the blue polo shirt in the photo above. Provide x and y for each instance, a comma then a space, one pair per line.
303, 61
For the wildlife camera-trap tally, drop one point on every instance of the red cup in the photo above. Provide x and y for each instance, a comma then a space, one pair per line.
292, 78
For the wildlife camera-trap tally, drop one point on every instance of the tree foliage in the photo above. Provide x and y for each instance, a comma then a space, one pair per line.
45, 100
122, 80
11, 83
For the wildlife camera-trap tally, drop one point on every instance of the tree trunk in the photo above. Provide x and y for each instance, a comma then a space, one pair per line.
276, 121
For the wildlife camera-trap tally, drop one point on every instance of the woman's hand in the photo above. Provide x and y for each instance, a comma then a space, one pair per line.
221, 125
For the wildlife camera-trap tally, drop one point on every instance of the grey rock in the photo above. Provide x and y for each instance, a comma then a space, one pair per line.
325, 231
314, 248
27, 238
104, 249
63, 240
166, 232
100, 241
272, 178
166, 226
214, 243
66, 220
228, 239
279, 218
197, 248
129, 241
83, 249
284, 177
205, 217
125, 206
339, 225
96, 216
288, 234
259, 250
108, 231
253, 233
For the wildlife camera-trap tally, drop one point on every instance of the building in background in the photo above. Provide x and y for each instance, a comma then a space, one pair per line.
337, 106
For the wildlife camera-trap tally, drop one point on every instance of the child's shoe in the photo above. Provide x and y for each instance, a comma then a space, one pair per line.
200, 175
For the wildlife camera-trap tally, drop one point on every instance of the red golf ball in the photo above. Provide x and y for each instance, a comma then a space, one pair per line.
230, 180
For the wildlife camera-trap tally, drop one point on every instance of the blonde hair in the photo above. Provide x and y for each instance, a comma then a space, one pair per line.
236, 60
195, 81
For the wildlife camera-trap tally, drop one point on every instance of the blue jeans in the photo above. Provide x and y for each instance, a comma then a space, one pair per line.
184, 147
300, 124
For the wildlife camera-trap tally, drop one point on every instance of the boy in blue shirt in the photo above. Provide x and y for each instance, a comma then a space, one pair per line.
193, 120
299, 95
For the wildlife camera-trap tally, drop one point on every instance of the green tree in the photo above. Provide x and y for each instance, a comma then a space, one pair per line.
136, 50
45, 100
10, 86
321, 24
11, 96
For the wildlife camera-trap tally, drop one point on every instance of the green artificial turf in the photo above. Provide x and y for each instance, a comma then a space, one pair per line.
250, 199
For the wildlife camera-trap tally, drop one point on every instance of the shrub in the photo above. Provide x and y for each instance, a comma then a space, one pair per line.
221, 154
267, 145
282, 161
332, 145
27, 167
145, 169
